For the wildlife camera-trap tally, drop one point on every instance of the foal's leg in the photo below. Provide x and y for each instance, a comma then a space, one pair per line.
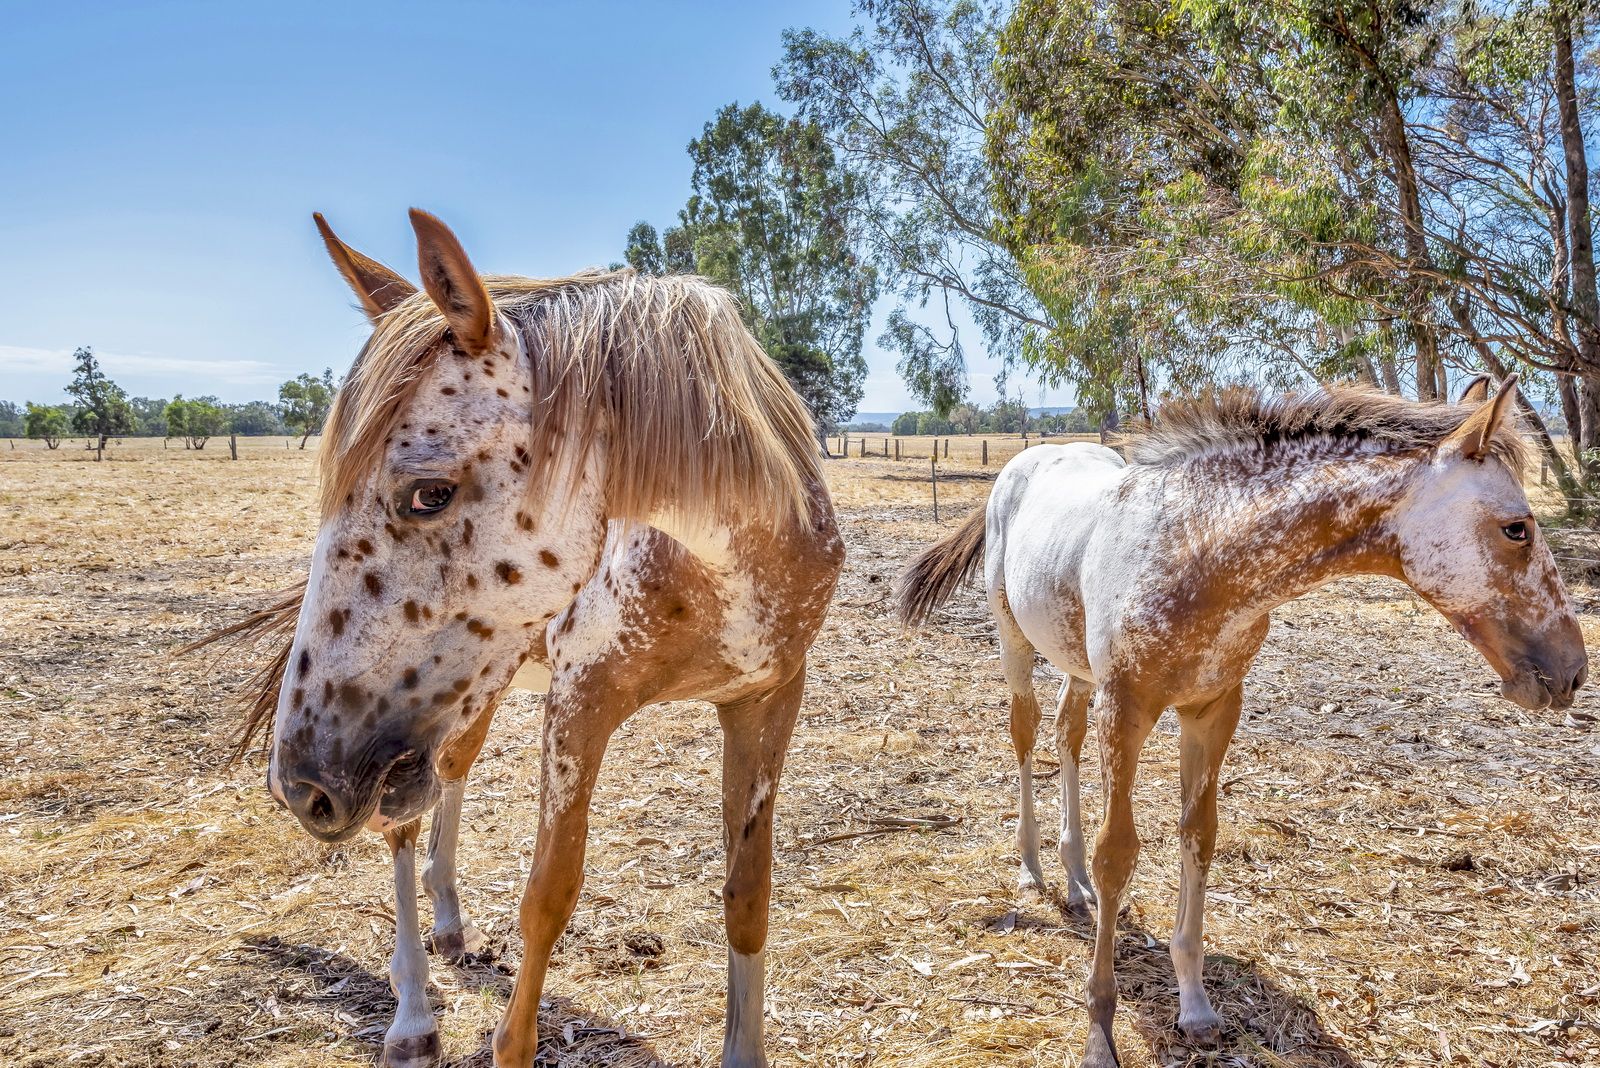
756, 736
413, 1039
1206, 731
1016, 658
1124, 724
1072, 724
577, 727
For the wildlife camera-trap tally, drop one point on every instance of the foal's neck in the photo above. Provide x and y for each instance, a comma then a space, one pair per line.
1308, 520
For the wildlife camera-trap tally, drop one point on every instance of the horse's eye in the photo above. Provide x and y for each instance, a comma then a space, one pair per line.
430, 496
1517, 531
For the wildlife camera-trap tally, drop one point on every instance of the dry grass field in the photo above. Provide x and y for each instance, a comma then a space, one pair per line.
1409, 872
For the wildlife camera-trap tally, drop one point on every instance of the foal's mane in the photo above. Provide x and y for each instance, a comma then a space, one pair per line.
1244, 418
698, 419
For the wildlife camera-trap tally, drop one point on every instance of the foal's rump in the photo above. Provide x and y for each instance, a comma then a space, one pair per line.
1052, 480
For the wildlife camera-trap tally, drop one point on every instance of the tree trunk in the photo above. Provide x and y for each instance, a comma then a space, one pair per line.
99, 447
1580, 251
304, 437
1425, 338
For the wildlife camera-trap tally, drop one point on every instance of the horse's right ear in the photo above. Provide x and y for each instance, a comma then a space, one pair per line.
1473, 436
453, 283
1476, 391
376, 286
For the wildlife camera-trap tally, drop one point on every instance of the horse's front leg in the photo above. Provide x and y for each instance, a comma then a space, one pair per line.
756, 737
452, 935
576, 730
412, 1040
1125, 723
1206, 731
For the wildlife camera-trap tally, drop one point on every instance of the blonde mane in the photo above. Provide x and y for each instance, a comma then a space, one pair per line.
698, 420
1242, 417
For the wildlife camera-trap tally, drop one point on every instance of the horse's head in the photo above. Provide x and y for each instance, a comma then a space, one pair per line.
1468, 542
437, 563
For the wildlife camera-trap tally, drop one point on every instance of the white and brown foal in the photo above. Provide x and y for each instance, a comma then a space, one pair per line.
1152, 582
600, 479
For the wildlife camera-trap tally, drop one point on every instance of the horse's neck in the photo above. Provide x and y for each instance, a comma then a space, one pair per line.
1305, 524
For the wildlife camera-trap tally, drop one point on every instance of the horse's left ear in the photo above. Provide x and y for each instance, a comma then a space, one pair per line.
1472, 437
1476, 391
453, 283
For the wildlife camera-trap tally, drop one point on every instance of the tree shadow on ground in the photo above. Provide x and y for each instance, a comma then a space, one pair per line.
1262, 1022
359, 1003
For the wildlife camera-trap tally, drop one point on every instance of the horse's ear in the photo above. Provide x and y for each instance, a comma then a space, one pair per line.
453, 283
1476, 391
377, 287
1473, 436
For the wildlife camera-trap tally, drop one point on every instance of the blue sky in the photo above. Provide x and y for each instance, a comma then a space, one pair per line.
162, 160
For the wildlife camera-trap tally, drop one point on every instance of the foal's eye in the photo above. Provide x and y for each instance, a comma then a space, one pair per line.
429, 496
1517, 531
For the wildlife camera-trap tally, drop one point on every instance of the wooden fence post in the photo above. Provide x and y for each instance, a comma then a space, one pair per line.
233, 446
933, 472
897, 448
986, 452
885, 448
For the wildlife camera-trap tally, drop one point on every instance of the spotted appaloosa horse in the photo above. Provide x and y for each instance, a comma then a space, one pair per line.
601, 479
1153, 580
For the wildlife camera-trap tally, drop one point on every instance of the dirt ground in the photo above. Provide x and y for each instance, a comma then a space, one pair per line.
1409, 871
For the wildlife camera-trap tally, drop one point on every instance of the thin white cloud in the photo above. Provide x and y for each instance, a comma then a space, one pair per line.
18, 361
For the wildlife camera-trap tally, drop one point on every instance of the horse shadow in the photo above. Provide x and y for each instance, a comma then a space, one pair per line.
1262, 1022
358, 1003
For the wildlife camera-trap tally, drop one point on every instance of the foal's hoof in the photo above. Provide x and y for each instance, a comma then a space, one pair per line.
453, 945
1201, 1030
417, 1051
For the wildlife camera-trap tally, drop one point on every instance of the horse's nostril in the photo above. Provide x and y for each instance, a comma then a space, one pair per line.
319, 809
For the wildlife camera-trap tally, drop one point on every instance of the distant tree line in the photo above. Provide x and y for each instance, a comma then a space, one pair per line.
1002, 417
100, 411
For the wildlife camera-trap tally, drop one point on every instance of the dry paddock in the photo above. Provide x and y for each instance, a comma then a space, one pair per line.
1409, 872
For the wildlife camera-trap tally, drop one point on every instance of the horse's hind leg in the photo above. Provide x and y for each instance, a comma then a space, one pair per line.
1072, 724
413, 1038
1016, 658
756, 735
1206, 732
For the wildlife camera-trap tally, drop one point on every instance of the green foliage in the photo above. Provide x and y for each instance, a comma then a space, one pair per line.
255, 418
103, 409
905, 101
305, 402
11, 420
773, 218
50, 423
195, 421
149, 416
1003, 417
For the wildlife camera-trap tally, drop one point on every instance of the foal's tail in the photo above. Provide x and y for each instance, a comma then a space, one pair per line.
934, 575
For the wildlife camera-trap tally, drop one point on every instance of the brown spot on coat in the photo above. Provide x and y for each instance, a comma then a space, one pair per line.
507, 573
364, 546
409, 679
411, 611
548, 558
374, 584
336, 621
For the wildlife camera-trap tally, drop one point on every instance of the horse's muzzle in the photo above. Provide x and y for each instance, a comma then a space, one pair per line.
333, 808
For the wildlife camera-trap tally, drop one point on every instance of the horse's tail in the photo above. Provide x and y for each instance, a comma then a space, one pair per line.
934, 575
274, 623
